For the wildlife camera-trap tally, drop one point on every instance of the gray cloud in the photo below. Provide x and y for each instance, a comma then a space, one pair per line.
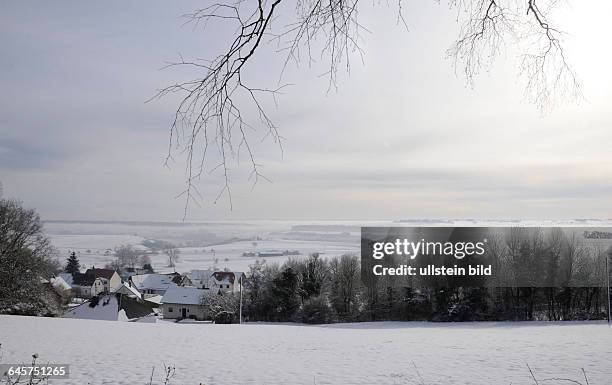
23, 154
402, 137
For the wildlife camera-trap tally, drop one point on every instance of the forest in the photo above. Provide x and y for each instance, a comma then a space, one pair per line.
542, 274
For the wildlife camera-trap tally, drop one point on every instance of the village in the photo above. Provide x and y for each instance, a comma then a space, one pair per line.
140, 295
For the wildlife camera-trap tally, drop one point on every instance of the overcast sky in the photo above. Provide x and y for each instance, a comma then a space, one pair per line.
403, 137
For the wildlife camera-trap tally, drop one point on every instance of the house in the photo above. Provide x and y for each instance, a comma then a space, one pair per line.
93, 282
110, 278
130, 271
153, 284
55, 293
225, 281
111, 307
198, 278
130, 290
268, 254
184, 302
67, 277
61, 287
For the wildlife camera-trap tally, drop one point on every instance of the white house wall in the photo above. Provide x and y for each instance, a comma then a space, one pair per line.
191, 310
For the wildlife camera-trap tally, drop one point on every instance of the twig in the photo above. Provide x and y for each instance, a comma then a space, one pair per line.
585, 376
418, 374
532, 375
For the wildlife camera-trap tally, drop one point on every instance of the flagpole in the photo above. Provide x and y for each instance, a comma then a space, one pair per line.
241, 297
608, 286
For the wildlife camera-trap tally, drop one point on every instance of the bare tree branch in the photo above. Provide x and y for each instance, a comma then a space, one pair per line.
214, 109
549, 76
489, 24
208, 110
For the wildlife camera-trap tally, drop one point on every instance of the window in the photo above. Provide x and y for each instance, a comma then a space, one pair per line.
170, 310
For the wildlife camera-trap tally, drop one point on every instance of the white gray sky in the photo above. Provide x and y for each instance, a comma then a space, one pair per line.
402, 138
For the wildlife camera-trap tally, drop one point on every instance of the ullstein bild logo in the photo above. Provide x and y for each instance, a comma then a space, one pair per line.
484, 256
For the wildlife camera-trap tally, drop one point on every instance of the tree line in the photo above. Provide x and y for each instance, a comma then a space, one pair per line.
318, 290
563, 286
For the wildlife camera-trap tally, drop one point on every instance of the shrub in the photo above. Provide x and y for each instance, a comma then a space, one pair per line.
316, 310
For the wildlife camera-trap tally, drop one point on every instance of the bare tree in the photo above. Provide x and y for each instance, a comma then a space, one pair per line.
24, 259
173, 255
213, 107
127, 256
345, 273
221, 304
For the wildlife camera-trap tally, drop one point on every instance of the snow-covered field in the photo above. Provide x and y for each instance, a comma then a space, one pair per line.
94, 242
97, 250
230, 255
105, 352
203, 245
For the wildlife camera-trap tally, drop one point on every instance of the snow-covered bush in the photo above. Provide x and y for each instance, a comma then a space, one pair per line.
25, 262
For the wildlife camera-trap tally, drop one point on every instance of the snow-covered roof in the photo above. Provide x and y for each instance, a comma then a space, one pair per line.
128, 290
156, 299
199, 275
109, 308
67, 277
106, 309
227, 276
101, 273
184, 295
59, 284
152, 281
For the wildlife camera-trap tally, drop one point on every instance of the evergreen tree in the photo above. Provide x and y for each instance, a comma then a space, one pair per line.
73, 266
284, 290
148, 268
313, 276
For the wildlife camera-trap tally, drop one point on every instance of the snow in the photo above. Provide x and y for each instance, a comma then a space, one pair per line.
200, 277
230, 256
107, 309
60, 284
202, 245
93, 242
158, 282
184, 295
129, 290
67, 277
368, 353
221, 245
156, 299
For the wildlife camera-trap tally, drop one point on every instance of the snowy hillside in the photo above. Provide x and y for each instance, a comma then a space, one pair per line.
370, 353
224, 244
204, 245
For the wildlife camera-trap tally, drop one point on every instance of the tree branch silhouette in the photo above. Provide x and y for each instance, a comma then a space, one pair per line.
211, 111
